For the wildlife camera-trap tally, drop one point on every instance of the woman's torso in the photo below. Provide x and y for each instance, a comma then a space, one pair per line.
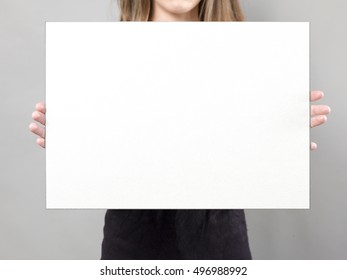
175, 234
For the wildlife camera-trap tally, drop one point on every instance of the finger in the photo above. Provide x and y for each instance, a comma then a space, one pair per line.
38, 130
41, 142
41, 107
39, 117
316, 95
313, 146
318, 120
320, 110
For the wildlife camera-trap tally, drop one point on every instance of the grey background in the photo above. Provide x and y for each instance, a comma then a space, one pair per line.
29, 231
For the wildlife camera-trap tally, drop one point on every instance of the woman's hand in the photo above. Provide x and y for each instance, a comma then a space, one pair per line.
39, 116
318, 112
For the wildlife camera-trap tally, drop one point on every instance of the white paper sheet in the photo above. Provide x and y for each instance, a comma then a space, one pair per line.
171, 115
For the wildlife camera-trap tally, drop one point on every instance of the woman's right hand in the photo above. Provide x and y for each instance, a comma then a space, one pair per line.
39, 116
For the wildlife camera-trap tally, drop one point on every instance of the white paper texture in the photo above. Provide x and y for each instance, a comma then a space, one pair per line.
177, 115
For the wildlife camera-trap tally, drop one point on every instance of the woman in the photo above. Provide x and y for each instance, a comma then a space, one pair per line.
177, 234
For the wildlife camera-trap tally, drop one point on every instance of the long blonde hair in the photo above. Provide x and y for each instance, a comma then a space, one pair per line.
209, 10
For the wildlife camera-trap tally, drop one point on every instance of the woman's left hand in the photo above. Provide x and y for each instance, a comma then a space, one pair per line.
318, 112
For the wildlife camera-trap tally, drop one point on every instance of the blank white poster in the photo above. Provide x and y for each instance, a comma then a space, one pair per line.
177, 115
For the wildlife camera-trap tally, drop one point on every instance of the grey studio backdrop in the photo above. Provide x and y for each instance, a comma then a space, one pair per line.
29, 231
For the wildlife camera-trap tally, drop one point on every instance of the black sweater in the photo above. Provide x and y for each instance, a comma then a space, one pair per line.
175, 234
